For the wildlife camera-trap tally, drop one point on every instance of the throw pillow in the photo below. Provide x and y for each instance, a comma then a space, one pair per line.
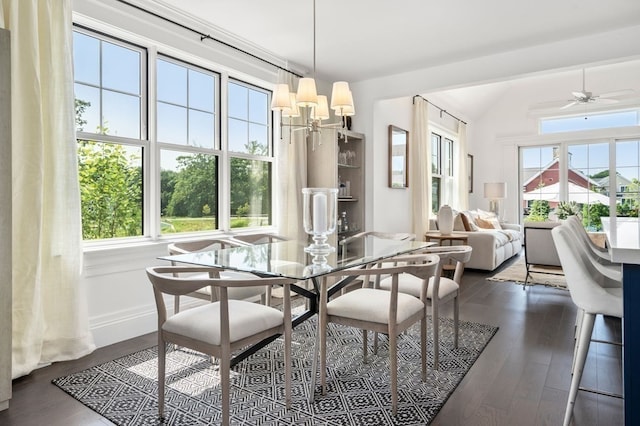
458, 223
465, 222
490, 217
484, 223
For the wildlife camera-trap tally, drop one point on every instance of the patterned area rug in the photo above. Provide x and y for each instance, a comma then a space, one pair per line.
124, 390
517, 272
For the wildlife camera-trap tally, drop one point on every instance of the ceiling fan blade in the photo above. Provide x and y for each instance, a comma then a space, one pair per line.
606, 101
570, 104
621, 92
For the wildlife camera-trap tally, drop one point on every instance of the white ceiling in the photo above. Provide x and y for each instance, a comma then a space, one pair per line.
362, 39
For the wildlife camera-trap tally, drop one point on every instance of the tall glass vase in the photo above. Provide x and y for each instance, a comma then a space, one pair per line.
320, 207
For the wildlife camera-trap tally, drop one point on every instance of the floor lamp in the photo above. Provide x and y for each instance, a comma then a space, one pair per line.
495, 191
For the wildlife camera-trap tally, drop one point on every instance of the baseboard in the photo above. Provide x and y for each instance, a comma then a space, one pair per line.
123, 325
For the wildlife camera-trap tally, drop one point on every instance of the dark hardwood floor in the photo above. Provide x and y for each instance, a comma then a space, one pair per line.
521, 378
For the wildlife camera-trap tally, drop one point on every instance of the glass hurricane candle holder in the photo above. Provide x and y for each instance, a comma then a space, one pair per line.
320, 207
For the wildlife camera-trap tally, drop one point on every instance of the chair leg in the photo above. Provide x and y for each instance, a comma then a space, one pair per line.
436, 334
375, 343
225, 365
365, 343
393, 367
579, 317
162, 356
423, 347
581, 357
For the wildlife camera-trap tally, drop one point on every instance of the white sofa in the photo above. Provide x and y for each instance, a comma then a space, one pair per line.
491, 247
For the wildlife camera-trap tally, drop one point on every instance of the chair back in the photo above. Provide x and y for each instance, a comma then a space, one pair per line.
258, 238
180, 280
183, 247
596, 251
452, 254
581, 274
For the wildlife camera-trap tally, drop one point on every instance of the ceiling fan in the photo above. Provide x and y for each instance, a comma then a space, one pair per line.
584, 96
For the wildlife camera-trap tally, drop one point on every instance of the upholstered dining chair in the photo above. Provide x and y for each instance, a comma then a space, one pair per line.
599, 256
382, 311
591, 298
260, 292
437, 290
217, 328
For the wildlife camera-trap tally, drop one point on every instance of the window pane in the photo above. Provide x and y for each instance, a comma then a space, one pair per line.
238, 135
258, 107
121, 114
87, 108
188, 185
238, 101
172, 83
435, 194
86, 59
435, 154
120, 68
172, 124
589, 121
201, 91
111, 190
258, 140
540, 177
201, 129
627, 185
250, 193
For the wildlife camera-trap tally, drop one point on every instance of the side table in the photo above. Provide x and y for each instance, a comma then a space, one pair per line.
441, 239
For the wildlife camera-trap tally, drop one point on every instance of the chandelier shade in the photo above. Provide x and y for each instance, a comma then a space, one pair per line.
315, 107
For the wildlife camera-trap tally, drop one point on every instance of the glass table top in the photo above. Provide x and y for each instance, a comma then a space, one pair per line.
289, 259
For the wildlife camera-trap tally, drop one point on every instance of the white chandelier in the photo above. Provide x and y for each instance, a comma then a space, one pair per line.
315, 108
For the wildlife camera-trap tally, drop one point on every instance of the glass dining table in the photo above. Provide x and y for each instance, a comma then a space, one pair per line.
289, 259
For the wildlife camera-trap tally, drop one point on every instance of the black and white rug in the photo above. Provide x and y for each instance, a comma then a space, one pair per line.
124, 390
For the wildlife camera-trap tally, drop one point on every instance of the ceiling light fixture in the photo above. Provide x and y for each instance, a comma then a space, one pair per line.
315, 108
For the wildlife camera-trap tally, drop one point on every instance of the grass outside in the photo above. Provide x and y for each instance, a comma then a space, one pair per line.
174, 225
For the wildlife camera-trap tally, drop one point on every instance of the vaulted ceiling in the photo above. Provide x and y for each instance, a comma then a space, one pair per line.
361, 39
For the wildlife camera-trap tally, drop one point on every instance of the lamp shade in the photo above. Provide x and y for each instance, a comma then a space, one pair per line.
307, 94
293, 111
341, 96
281, 99
347, 110
321, 111
495, 190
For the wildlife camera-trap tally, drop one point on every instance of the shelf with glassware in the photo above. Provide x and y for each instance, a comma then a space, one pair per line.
351, 189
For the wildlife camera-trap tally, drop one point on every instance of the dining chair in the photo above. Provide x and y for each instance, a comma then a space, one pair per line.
437, 289
590, 296
220, 327
377, 310
240, 293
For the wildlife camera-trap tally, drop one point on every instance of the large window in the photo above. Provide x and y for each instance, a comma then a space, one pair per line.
442, 182
169, 174
109, 120
589, 180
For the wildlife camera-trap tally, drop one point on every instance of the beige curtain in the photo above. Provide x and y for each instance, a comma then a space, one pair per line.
50, 321
292, 174
461, 197
420, 167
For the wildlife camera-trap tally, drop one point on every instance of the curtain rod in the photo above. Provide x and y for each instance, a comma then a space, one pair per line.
204, 36
441, 110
